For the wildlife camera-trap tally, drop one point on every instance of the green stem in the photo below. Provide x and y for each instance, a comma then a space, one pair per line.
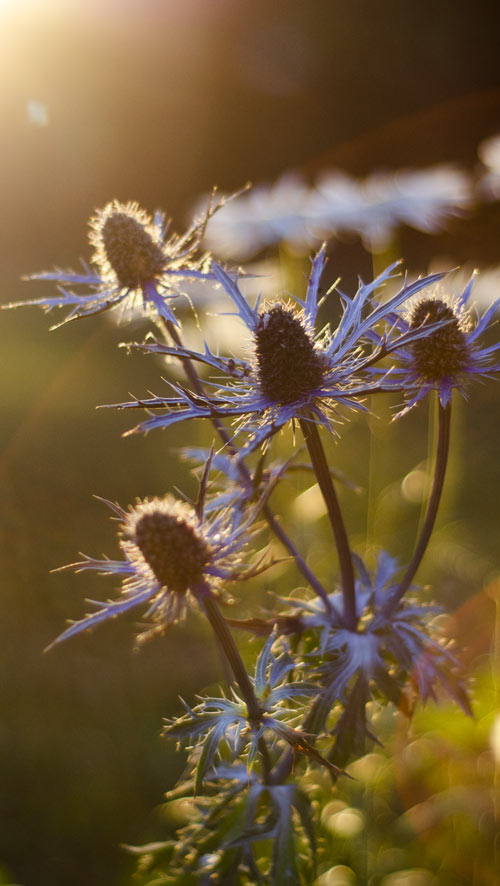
224, 636
318, 460
443, 446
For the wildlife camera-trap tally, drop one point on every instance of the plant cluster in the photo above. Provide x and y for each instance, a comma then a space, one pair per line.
332, 648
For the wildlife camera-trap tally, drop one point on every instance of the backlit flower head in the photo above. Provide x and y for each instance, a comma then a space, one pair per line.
171, 554
294, 371
446, 352
136, 265
451, 355
128, 248
391, 649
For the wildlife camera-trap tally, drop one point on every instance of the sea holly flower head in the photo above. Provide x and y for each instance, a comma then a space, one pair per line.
294, 371
450, 355
164, 538
134, 263
289, 366
128, 248
172, 554
390, 648
444, 353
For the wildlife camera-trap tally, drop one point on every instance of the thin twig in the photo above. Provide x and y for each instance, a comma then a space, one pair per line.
443, 445
318, 459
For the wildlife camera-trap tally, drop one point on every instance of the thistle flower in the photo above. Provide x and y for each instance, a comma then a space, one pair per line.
171, 553
134, 264
295, 372
451, 354
386, 654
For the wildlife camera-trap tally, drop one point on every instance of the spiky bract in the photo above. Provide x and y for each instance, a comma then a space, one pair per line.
294, 372
171, 555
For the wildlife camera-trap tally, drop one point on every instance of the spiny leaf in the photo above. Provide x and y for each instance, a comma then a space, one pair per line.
262, 664
210, 747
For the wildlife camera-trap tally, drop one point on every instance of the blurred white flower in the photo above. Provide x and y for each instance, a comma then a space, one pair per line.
293, 213
489, 154
423, 198
262, 216
343, 204
373, 208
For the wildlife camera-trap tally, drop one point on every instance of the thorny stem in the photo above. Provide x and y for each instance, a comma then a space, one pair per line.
226, 439
443, 445
224, 636
325, 482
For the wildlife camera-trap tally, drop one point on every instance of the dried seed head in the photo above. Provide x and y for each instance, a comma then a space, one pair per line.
289, 366
167, 536
126, 244
445, 352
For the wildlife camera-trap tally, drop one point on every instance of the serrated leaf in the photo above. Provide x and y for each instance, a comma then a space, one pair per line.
280, 667
350, 730
210, 748
261, 666
292, 690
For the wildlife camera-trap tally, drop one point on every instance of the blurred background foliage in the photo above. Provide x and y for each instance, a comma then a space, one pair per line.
157, 102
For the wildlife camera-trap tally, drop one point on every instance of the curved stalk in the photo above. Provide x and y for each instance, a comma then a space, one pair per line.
318, 459
443, 445
287, 542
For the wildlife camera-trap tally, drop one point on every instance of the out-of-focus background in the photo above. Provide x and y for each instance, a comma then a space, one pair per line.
157, 102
